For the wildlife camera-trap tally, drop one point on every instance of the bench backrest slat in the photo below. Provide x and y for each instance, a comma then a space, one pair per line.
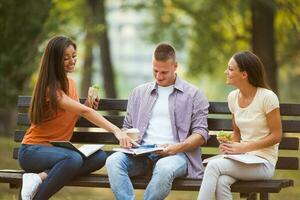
214, 124
105, 104
215, 107
287, 143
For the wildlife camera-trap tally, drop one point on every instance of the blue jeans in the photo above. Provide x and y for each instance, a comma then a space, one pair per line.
60, 164
121, 166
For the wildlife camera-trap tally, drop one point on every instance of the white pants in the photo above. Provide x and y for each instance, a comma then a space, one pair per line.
221, 173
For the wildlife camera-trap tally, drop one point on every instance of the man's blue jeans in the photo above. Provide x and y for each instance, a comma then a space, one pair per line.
61, 165
121, 166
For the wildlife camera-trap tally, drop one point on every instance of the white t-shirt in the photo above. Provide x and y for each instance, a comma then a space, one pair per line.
252, 121
159, 130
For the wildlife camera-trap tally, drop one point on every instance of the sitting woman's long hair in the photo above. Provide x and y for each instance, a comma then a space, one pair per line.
52, 78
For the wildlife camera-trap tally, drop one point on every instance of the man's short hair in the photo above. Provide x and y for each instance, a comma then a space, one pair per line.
164, 52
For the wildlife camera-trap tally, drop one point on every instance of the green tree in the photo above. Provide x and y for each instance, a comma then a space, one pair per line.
86, 18
100, 36
21, 24
89, 40
211, 31
263, 37
74, 19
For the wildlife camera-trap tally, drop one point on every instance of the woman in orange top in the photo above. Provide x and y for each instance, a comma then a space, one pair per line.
53, 113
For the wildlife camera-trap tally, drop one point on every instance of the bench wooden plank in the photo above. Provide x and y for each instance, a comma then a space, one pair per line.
285, 109
261, 186
23, 120
215, 124
104, 104
291, 126
218, 108
290, 109
291, 163
219, 119
287, 143
215, 107
101, 180
284, 163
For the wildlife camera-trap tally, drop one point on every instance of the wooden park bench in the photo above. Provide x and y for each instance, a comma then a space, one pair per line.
219, 119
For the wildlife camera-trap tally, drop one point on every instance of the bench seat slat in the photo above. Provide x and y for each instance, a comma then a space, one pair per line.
272, 186
285, 163
100, 180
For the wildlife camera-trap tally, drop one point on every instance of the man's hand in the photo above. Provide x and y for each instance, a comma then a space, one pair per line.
192, 142
169, 149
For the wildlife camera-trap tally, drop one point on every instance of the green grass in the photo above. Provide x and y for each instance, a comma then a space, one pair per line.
79, 193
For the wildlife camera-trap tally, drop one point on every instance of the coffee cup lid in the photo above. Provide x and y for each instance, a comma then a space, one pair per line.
132, 130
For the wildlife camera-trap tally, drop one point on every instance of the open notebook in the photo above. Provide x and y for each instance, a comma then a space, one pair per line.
85, 150
142, 149
244, 158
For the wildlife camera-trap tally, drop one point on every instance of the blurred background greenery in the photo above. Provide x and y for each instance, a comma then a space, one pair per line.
115, 42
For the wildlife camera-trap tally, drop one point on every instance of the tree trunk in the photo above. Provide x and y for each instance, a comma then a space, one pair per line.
263, 42
107, 68
98, 7
7, 121
88, 61
19, 46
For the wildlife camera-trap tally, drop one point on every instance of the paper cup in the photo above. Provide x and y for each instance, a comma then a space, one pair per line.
133, 133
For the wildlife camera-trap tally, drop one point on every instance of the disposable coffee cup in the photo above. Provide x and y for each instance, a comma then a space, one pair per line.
133, 133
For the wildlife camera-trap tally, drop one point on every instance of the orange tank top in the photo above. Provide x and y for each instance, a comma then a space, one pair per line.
59, 128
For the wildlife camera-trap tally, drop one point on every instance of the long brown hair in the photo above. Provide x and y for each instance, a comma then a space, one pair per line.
52, 78
249, 62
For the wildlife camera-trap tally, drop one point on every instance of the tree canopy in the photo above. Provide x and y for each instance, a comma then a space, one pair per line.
211, 31
21, 24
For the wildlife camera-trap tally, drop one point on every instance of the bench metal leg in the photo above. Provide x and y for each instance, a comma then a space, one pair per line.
249, 196
19, 194
252, 196
264, 196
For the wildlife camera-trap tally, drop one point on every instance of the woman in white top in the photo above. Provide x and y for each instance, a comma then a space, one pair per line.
256, 129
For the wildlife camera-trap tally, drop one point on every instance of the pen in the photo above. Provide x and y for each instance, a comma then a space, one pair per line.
135, 144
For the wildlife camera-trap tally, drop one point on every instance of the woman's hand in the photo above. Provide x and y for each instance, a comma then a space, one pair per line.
233, 148
95, 104
92, 103
124, 140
